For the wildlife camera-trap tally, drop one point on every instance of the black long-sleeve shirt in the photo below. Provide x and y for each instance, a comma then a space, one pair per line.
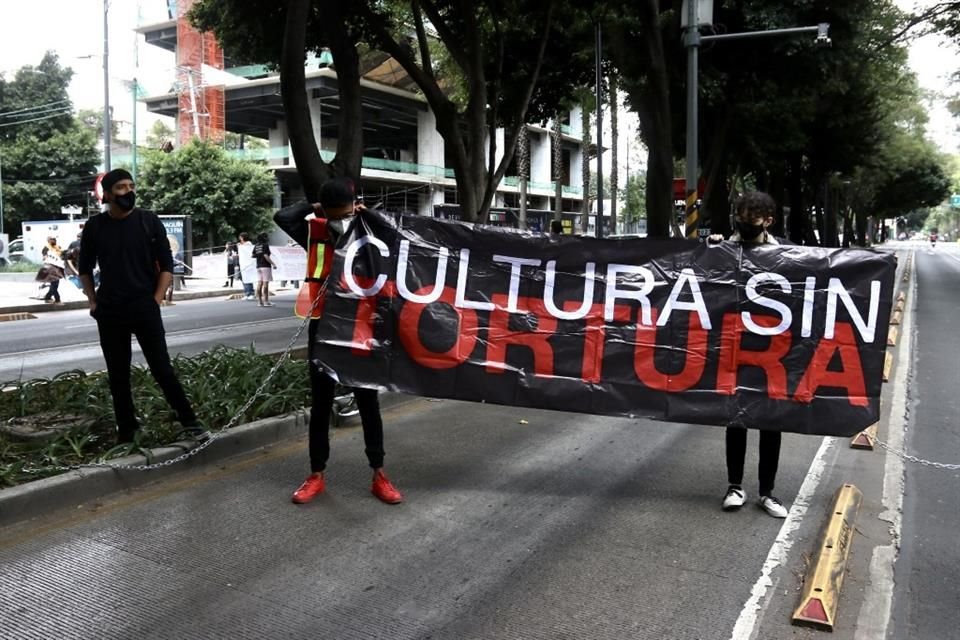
293, 221
131, 252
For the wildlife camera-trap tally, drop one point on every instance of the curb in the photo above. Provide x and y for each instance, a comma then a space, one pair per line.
82, 304
75, 488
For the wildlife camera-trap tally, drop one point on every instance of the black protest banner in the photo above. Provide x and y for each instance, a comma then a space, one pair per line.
771, 337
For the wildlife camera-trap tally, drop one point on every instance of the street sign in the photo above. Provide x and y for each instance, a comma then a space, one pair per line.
955, 201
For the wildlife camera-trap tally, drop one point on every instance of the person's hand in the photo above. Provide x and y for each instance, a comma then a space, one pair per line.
714, 238
159, 300
93, 308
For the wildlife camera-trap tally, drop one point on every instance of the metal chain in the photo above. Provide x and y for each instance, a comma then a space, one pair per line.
911, 458
213, 435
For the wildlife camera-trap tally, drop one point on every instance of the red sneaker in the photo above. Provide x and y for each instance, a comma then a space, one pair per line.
310, 489
384, 489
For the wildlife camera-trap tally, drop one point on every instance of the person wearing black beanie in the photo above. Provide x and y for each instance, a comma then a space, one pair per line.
136, 268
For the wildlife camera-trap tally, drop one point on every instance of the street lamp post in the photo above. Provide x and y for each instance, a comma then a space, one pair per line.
1, 192
106, 88
598, 62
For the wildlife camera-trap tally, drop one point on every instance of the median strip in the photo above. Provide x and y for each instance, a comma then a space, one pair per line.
824, 579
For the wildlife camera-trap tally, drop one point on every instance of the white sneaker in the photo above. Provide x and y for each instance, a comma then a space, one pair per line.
734, 499
773, 506
249, 298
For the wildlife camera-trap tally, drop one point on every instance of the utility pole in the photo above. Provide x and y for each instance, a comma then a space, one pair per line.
107, 125
692, 43
1, 193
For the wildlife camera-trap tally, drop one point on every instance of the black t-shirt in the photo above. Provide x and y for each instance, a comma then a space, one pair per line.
129, 252
260, 252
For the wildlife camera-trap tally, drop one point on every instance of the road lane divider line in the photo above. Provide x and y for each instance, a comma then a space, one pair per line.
762, 591
824, 579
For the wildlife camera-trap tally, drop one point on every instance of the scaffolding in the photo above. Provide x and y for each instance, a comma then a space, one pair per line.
201, 112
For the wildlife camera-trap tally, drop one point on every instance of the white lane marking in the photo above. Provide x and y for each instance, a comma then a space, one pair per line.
877, 604
86, 325
780, 550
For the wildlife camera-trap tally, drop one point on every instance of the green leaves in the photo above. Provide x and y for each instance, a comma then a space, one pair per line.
224, 195
219, 382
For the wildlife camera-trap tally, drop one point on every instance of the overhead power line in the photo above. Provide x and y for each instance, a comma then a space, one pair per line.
38, 112
4, 114
47, 117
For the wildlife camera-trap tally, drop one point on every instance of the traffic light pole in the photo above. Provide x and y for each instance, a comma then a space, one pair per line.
692, 43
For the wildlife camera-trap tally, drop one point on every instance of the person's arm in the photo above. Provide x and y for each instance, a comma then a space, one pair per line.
164, 261
87, 262
292, 220
269, 257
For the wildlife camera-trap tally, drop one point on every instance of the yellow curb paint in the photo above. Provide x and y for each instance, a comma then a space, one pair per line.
824, 579
897, 317
892, 336
11, 317
887, 366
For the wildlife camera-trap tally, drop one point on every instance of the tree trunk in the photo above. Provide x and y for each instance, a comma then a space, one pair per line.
614, 178
652, 100
523, 151
312, 169
465, 134
293, 88
585, 164
557, 149
798, 211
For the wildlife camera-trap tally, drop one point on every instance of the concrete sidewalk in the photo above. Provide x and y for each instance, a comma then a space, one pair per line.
19, 293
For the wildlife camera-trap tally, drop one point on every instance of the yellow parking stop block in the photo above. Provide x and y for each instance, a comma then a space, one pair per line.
824, 579
866, 438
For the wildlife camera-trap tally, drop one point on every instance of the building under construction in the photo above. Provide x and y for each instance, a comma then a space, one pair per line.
404, 164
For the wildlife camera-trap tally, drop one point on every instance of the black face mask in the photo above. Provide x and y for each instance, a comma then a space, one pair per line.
127, 201
749, 231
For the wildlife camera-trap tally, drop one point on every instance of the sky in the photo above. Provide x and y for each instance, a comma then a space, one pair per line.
74, 30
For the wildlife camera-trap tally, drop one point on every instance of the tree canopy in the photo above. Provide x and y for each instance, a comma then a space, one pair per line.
49, 158
223, 195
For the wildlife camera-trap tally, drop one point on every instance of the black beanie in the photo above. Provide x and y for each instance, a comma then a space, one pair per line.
337, 192
113, 177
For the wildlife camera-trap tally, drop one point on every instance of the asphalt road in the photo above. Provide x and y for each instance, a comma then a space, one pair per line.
63, 340
927, 596
519, 524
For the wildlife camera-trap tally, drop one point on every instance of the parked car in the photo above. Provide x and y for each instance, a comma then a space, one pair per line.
15, 249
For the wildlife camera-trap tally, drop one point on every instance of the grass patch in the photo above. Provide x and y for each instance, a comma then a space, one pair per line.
218, 382
19, 267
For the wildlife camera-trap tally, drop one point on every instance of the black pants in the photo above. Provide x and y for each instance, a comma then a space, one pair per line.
769, 457
53, 292
323, 388
116, 327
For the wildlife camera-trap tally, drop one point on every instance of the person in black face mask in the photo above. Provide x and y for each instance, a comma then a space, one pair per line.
136, 267
755, 211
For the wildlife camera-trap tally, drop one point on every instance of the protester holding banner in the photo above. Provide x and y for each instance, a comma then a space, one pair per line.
318, 236
755, 213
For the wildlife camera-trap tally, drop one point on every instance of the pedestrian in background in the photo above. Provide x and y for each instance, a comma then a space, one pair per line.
265, 266
755, 213
233, 264
136, 268
52, 270
245, 255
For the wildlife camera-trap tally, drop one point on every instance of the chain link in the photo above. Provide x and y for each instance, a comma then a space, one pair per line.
213, 435
911, 458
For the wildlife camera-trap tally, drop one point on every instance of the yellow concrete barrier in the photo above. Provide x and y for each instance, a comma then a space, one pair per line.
821, 589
